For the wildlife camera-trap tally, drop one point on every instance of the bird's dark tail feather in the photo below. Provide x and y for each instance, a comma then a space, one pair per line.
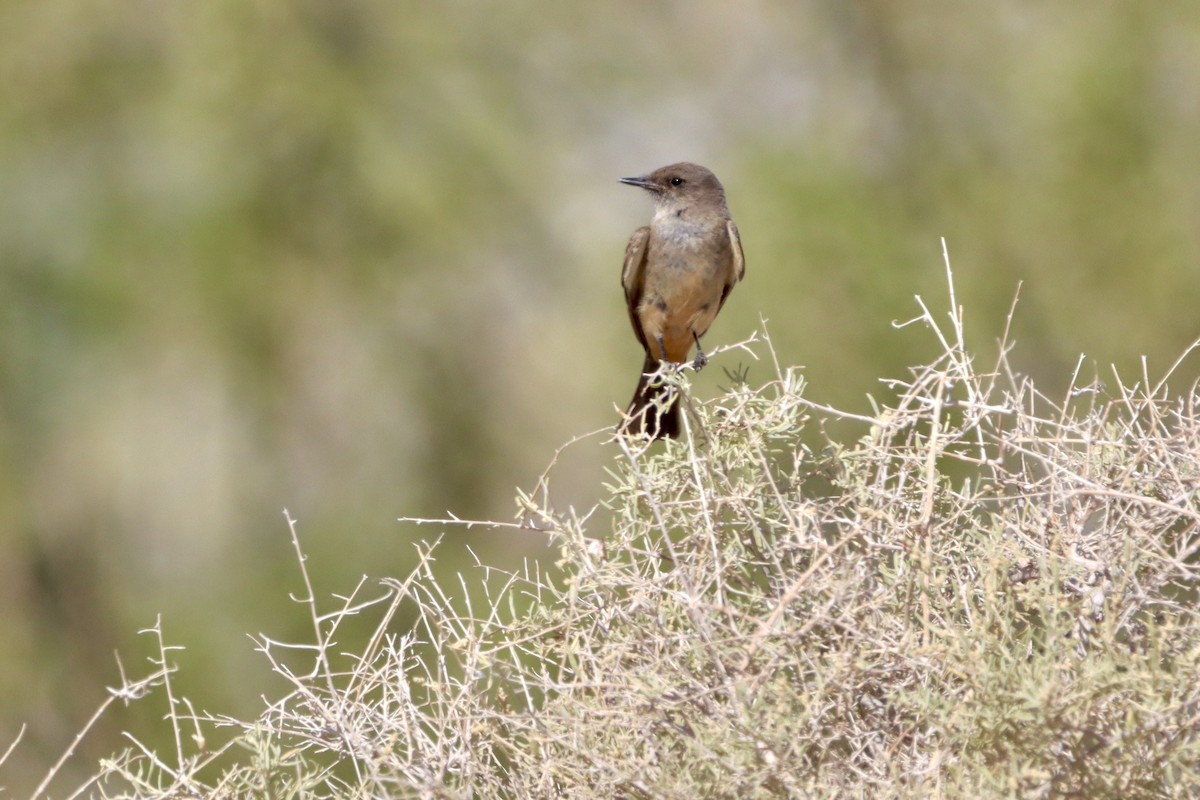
654, 410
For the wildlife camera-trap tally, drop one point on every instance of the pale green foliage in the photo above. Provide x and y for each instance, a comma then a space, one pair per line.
983, 592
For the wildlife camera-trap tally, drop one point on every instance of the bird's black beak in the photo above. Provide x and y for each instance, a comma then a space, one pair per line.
642, 183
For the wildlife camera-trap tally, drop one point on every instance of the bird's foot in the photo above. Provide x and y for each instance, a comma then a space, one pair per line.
701, 360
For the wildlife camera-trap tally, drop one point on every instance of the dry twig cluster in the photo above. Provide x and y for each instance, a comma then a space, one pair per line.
990, 592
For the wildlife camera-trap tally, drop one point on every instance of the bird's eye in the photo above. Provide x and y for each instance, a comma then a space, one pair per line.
677, 181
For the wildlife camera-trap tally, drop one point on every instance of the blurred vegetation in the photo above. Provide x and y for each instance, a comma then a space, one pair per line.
361, 261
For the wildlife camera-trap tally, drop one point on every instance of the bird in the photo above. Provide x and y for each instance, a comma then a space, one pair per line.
677, 274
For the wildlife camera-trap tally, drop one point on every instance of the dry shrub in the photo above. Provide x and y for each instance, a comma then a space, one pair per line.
988, 593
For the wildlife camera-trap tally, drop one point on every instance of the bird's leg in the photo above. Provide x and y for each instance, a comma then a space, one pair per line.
662, 348
701, 359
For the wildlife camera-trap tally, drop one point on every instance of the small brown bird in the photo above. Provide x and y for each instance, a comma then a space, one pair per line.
678, 271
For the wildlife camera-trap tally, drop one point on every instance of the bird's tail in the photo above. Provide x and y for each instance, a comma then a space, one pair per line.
654, 410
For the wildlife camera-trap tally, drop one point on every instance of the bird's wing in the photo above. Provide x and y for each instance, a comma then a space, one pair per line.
737, 266
739, 260
633, 276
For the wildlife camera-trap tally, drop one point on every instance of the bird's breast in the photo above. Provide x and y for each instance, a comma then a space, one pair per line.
689, 246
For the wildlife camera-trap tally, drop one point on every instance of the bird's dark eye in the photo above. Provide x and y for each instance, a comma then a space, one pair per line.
677, 181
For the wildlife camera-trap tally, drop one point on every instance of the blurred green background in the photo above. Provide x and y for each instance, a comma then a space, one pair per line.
361, 260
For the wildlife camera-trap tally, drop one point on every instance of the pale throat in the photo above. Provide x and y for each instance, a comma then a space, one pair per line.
673, 223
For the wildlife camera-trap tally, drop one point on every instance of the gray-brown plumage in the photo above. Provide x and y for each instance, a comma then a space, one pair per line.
678, 271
